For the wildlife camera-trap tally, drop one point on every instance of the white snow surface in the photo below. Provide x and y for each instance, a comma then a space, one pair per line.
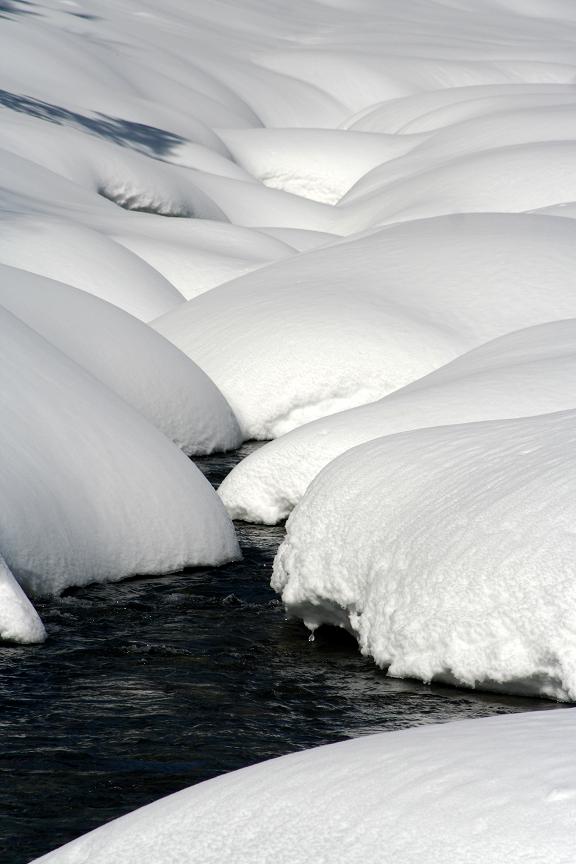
448, 552
147, 371
482, 791
318, 204
227, 219
348, 323
19, 621
524, 373
89, 490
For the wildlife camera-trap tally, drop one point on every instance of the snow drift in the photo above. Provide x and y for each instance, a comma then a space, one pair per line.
448, 552
480, 791
524, 373
135, 362
89, 490
348, 323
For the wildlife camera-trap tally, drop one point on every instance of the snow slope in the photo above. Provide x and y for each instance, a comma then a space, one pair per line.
89, 490
448, 552
481, 791
524, 373
130, 358
348, 323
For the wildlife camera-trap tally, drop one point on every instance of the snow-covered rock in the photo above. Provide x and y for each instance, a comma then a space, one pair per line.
89, 490
350, 322
448, 552
485, 791
132, 359
19, 621
524, 373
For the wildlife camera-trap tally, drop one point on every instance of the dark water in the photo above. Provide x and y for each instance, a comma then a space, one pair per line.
154, 684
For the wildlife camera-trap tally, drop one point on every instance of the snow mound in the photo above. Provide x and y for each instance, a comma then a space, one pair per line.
85, 258
448, 552
525, 373
134, 361
515, 127
19, 621
195, 255
435, 793
89, 490
320, 164
509, 179
430, 110
347, 324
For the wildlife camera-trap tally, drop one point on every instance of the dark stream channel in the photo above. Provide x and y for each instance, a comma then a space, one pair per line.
153, 684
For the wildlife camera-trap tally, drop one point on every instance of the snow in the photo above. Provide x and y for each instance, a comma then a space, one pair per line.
447, 552
82, 257
481, 791
320, 164
89, 490
152, 376
349, 226
509, 179
19, 621
430, 110
524, 373
348, 323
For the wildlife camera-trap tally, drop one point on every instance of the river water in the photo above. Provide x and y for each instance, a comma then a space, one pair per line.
153, 684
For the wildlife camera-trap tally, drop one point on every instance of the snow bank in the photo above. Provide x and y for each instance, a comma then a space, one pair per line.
448, 552
481, 791
525, 373
89, 490
147, 371
348, 323
19, 621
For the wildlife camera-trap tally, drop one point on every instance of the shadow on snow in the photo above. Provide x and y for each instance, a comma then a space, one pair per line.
153, 141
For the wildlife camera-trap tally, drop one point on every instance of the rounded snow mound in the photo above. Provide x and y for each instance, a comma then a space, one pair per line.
346, 324
19, 621
448, 552
508, 179
320, 164
89, 490
434, 793
80, 256
524, 373
132, 359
